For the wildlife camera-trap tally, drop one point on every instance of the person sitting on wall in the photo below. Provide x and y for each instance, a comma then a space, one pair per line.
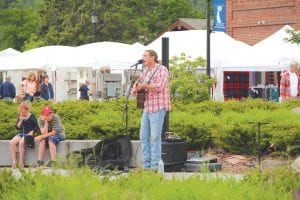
27, 125
52, 132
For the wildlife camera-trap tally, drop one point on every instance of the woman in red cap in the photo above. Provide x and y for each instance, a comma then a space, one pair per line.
27, 125
52, 132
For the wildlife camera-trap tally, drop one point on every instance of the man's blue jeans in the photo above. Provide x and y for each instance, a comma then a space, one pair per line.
150, 136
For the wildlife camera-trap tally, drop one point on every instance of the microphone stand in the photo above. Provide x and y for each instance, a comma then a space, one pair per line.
259, 140
125, 107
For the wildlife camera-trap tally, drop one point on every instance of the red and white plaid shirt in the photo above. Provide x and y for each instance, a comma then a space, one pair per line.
159, 99
285, 85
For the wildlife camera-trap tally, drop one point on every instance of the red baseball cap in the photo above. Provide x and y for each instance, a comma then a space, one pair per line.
46, 110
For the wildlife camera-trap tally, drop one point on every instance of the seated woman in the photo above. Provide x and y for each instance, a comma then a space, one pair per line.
52, 132
27, 125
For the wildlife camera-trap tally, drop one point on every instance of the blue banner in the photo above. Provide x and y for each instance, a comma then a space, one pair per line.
219, 15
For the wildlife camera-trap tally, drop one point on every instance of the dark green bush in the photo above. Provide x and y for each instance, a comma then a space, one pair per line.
225, 124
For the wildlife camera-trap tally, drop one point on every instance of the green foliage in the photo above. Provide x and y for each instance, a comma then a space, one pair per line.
187, 83
83, 184
205, 124
18, 23
69, 22
294, 36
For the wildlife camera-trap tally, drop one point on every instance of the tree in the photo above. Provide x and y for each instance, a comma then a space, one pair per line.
68, 22
18, 22
25, 24
187, 83
294, 36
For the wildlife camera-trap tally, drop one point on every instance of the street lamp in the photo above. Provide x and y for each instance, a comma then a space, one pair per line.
94, 20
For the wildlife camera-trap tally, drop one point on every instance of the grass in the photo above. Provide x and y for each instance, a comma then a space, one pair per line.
280, 184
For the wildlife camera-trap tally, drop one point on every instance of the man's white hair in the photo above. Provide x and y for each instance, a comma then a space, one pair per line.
294, 62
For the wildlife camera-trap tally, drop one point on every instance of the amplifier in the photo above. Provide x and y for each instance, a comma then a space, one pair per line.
174, 151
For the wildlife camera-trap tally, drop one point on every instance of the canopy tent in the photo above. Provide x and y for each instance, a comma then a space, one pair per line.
7, 55
271, 54
111, 54
193, 44
278, 49
38, 58
249, 60
101, 54
95, 55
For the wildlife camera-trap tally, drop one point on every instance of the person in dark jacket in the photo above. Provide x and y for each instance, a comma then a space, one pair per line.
85, 91
47, 90
27, 125
8, 90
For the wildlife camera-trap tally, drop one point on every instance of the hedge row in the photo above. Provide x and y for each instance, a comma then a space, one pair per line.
225, 124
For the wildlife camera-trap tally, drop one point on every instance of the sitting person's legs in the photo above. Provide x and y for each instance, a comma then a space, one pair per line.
53, 141
42, 148
21, 152
12, 148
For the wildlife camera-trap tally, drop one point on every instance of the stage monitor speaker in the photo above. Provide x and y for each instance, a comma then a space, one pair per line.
174, 151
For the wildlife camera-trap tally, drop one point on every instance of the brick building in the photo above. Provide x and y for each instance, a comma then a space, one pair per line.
251, 21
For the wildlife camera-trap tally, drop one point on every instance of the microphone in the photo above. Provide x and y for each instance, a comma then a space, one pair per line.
140, 61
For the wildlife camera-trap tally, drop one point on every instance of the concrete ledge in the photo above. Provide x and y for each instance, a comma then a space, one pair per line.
63, 148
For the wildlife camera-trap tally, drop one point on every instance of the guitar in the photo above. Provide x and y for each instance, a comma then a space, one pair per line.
140, 96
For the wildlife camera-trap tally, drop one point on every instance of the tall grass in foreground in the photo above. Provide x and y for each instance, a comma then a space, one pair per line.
84, 184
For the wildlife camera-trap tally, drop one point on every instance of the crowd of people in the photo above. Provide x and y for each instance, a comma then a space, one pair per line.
28, 89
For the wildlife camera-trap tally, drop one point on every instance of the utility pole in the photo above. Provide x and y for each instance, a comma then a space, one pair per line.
208, 39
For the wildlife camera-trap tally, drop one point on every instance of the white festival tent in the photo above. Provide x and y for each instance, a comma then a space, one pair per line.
7, 55
193, 44
38, 58
278, 48
8, 52
64, 64
224, 50
111, 54
228, 54
95, 55
271, 54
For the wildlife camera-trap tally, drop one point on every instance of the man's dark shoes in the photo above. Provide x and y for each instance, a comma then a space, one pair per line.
51, 163
39, 163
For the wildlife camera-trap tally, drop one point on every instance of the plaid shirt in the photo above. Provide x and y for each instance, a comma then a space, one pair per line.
285, 85
159, 99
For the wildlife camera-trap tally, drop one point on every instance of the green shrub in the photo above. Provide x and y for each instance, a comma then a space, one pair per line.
225, 124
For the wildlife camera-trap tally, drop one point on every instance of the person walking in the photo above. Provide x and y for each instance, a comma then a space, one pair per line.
85, 91
8, 90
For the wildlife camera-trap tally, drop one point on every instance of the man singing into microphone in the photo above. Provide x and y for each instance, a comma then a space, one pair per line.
154, 80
